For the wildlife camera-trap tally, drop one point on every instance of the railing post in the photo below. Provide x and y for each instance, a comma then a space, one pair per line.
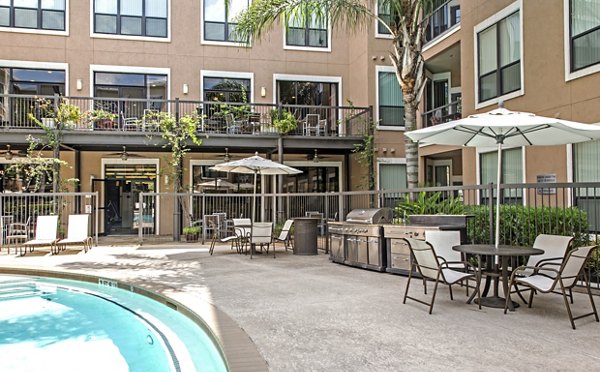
97, 213
491, 208
202, 217
177, 110
140, 218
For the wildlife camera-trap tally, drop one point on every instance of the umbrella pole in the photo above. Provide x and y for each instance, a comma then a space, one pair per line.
499, 178
253, 214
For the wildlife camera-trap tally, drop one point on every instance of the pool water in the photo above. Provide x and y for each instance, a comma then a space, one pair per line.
61, 325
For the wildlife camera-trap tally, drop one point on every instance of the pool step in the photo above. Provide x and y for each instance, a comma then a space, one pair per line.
12, 290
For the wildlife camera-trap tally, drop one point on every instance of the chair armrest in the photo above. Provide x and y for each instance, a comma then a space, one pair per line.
549, 260
535, 269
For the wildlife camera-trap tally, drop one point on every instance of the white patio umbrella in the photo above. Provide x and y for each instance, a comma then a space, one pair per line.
504, 127
255, 165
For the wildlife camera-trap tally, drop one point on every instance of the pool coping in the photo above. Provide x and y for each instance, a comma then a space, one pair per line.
235, 346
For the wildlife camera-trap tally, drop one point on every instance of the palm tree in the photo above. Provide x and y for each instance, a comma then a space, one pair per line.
406, 27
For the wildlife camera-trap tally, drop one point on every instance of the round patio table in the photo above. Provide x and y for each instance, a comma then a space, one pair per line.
503, 252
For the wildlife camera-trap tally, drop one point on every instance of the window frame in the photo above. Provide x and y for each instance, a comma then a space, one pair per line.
379, 35
203, 39
306, 29
100, 35
228, 75
568, 43
388, 69
27, 30
389, 161
489, 22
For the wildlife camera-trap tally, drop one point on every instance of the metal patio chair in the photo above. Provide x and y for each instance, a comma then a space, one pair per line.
565, 277
18, 232
426, 263
261, 235
442, 242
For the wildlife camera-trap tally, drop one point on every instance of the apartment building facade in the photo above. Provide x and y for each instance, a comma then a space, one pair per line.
125, 58
530, 55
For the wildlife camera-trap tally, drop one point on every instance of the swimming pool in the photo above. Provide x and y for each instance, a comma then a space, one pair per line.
49, 324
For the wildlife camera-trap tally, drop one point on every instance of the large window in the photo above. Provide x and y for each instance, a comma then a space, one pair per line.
33, 14
392, 176
131, 17
512, 172
586, 156
35, 81
226, 89
307, 31
585, 33
499, 58
219, 20
149, 90
390, 106
309, 93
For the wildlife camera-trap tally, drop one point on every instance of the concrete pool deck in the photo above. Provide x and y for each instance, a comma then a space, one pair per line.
304, 313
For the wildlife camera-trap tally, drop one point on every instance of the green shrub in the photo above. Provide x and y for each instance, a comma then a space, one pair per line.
519, 225
430, 203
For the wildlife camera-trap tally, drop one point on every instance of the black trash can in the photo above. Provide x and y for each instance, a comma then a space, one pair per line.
305, 236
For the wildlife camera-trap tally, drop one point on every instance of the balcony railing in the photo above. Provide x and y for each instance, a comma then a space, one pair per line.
442, 114
442, 19
135, 115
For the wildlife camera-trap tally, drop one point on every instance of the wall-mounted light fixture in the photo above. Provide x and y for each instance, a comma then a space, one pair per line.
316, 157
263, 91
186, 88
79, 84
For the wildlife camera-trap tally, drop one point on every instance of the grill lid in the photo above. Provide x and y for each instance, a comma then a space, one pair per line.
370, 215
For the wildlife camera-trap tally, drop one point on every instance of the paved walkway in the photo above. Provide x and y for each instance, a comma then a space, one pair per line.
308, 314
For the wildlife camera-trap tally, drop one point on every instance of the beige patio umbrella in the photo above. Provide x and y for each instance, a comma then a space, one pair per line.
255, 165
504, 127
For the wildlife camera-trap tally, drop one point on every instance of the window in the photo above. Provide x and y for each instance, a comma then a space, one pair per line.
585, 33
219, 20
313, 179
390, 106
308, 31
36, 81
226, 89
33, 14
499, 58
130, 85
586, 156
512, 172
392, 176
131, 17
309, 93
384, 12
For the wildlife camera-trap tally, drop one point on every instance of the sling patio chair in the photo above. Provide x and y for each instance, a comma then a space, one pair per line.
285, 235
547, 279
18, 232
426, 263
442, 242
555, 249
45, 235
77, 233
261, 235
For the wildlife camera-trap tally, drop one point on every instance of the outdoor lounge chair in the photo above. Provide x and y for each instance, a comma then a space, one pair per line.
45, 234
425, 261
565, 277
555, 249
284, 235
77, 233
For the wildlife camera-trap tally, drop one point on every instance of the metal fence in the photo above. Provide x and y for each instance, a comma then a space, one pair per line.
25, 207
138, 115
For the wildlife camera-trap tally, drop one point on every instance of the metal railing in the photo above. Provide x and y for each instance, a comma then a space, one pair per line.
442, 114
442, 19
25, 207
135, 115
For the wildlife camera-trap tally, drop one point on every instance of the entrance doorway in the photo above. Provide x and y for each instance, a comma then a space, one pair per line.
121, 188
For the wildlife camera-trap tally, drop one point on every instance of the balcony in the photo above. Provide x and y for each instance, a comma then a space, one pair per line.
442, 19
135, 116
442, 114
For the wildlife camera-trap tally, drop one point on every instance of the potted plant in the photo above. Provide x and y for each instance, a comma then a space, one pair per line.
69, 115
192, 233
46, 112
283, 121
101, 118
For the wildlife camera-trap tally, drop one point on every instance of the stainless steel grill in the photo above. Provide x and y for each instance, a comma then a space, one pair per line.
358, 241
370, 215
